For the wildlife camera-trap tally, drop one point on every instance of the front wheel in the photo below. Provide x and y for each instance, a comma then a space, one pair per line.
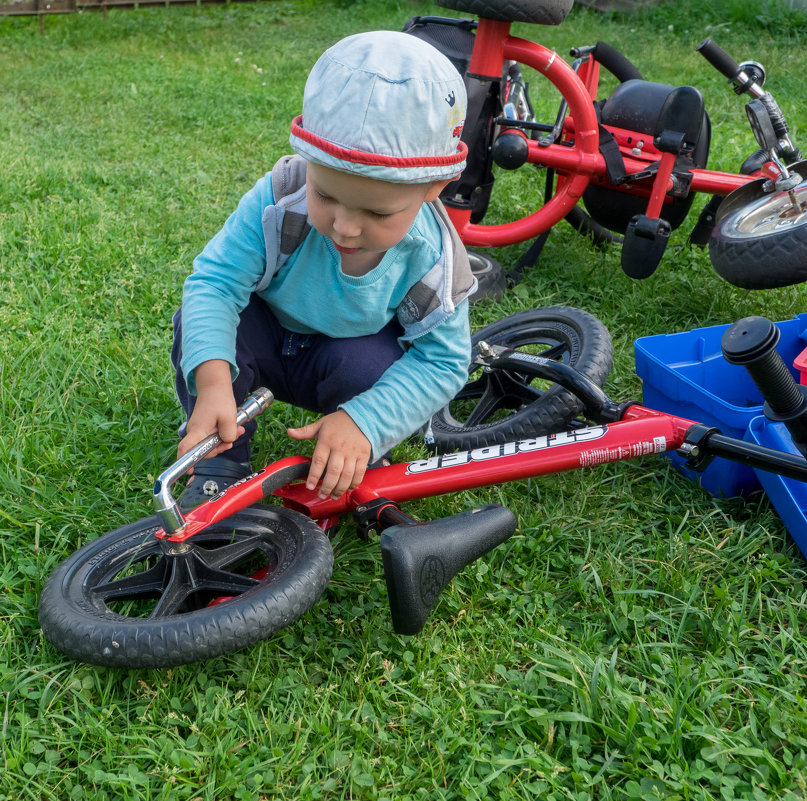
760, 239
498, 406
131, 600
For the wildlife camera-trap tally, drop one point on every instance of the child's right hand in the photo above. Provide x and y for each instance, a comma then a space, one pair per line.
215, 409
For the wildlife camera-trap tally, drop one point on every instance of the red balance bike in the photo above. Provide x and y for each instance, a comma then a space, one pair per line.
177, 588
635, 158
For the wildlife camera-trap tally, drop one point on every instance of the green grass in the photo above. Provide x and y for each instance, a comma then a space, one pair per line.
636, 638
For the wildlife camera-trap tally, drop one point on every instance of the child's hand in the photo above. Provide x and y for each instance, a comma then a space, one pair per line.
215, 410
341, 447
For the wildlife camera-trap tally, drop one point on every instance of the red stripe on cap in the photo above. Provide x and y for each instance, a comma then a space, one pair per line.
360, 157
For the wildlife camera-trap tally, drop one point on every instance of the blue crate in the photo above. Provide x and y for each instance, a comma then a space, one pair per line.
685, 374
788, 496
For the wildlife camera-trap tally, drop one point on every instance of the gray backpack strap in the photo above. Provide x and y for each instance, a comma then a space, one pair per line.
434, 298
285, 225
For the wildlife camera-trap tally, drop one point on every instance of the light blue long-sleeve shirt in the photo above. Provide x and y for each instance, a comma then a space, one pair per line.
311, 294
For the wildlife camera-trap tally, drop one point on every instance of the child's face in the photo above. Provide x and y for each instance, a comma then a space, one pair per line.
363, 215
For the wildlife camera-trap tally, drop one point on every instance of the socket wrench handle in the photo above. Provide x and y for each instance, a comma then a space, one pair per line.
165, 506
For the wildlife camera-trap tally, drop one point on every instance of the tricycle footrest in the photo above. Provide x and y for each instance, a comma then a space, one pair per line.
644, 245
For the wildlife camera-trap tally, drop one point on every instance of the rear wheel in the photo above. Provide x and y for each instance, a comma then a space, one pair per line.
129, 599
497, 406
490, 276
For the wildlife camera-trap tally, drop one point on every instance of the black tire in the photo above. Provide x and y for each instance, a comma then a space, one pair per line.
92, 613
545, 12
762, 244
489, 274
498, 406
586, 225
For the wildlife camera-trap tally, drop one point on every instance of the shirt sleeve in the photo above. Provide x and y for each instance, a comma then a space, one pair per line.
224, 275
417, 385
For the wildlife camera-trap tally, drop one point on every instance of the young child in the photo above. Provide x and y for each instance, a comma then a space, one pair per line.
338, 282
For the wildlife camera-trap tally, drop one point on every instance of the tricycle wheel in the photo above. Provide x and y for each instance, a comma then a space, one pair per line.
129, 599
546, 12
497, 406
760, 239
489, 275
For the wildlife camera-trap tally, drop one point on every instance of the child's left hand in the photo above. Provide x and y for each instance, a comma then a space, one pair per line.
341, 453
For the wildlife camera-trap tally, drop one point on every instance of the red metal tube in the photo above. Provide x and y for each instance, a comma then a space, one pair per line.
580, 161
643, 431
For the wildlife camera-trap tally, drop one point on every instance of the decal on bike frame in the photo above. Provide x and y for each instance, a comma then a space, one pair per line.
219, 495
619, 452
576, 437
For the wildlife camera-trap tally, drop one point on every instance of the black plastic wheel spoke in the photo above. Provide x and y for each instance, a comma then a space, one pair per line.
504, 389
473, 389
500, 389
230, 554
517, 390
556, 352
173, 597
489, 400
190, 575
147, 583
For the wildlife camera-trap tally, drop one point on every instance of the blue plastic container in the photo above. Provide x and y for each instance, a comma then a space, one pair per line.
685, 374
789, 497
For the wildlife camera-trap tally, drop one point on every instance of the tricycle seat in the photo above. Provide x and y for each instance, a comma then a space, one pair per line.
538, 12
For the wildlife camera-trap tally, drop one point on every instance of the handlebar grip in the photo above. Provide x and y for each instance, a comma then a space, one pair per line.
254, 404
718, 58
615, 62
751, 342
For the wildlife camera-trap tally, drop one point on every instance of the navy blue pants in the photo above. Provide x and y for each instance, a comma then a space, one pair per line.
312, 371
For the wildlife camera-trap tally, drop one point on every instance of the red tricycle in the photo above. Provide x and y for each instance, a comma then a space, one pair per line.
636, 158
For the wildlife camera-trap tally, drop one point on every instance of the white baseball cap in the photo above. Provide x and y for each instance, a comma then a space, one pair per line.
385, 105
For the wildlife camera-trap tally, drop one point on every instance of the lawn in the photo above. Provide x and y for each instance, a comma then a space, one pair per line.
635, 639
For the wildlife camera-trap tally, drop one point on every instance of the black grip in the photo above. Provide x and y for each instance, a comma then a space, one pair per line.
751, 342
718, 58
617, 64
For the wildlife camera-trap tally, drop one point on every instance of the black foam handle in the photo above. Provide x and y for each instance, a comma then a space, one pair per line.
616, 63
718, 58
751, 342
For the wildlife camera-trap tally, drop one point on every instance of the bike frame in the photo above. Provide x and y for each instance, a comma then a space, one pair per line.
640, 432
576, 159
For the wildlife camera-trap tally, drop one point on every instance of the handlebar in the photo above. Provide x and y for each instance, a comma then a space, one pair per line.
615, 62
751, 342
749, 77
719, 58
165, 506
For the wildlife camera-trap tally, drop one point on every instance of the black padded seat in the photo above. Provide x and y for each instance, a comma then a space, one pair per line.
538, 12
